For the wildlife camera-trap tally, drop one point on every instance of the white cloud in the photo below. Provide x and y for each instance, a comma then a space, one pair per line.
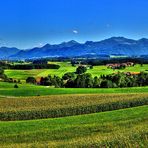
40, 44
75, 31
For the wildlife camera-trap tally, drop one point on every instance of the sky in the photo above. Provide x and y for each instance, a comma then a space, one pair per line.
32, 23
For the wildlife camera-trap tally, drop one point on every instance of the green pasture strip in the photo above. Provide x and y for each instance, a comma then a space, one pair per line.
124, 128
7, 89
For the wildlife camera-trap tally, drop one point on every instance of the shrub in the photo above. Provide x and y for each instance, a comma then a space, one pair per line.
81, 70
16, 86
31, 80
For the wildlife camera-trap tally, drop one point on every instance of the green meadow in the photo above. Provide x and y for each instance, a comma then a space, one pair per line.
23, 74
7, 89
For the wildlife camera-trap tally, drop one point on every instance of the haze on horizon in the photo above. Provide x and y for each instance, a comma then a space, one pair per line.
28, 23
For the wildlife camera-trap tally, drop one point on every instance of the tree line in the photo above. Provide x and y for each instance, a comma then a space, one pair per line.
81, 79
34, 65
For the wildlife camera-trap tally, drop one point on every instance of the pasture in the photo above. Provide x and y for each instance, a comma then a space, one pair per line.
7, 89
23, 74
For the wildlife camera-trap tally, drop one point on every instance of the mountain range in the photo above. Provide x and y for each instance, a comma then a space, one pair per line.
111, 46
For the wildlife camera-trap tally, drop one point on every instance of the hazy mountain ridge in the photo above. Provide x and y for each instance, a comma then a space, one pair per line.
5, 52
111, 46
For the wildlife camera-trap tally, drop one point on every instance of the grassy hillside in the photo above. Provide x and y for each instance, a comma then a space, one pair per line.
7, 89
23, 74
66, 105
127, 128
66, 67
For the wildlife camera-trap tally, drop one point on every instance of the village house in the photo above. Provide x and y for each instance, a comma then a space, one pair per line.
119, 65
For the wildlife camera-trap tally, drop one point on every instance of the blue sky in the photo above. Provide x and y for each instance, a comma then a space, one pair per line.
28, 23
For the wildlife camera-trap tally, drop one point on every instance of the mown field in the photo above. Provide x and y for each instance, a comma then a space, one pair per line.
66, 67
122, 128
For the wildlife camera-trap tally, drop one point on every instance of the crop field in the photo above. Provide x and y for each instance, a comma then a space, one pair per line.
127, 128
66, 105
66, 67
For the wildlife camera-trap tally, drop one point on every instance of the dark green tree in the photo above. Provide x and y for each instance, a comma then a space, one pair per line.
107, 84
31, 80
97, 82
81, 70
69, 75
16, 86
84, 81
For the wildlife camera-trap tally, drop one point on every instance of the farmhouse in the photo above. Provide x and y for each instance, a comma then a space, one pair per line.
132, 73
38, 80
119, 65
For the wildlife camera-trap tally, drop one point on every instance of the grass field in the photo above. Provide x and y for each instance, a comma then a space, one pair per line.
23, 74
127, 128
7, 89
66, 67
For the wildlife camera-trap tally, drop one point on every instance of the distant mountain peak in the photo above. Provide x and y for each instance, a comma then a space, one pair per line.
73, 41
89, 42
5, 52
70, 42
143, 40
111, 46
46, 46
119, 39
